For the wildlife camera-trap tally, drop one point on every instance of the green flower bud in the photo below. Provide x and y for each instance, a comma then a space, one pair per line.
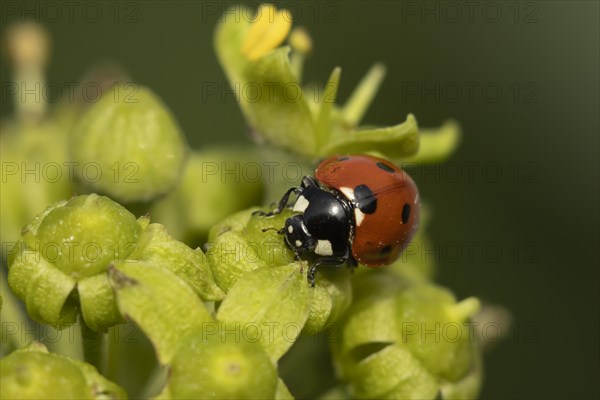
32, 373
238, 245
468, 386
99, 231
134, 142
69, 247
34, 172
208, 192
434, 308
392, 373
405, 339
219, 367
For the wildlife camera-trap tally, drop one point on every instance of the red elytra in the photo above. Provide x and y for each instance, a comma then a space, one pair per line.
384, 229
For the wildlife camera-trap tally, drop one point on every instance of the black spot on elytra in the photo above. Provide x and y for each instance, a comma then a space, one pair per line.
343, 158
385, 167
365, 199
405, 213
386, 250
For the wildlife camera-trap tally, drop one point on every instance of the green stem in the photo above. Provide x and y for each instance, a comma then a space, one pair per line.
112, 357
297, 63
155, 383
68, 343
12, 314
31, 107
94, 347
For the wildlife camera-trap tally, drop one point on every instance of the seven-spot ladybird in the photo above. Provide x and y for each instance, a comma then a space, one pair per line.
356, 209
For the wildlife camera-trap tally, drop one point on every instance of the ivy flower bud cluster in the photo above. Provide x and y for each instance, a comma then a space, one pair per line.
227, 319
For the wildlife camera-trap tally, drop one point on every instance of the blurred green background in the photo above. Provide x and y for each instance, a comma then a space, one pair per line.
516, 208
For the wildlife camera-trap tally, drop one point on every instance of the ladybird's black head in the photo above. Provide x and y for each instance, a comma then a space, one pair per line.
297, 236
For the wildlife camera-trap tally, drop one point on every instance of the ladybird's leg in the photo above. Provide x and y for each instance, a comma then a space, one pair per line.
279, 231
352, 263
284, 200
323, 261
282, 203
309, 181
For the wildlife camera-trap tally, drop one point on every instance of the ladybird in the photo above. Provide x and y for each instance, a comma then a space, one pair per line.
356, 209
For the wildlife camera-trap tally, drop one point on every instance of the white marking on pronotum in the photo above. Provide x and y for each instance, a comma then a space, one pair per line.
324, 248
298, 243
348, 192
301, 204
290, 229
358, 216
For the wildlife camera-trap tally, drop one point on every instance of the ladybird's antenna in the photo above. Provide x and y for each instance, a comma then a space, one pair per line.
279, 231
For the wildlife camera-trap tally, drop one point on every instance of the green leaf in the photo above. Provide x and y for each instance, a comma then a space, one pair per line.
436, 145
279, 112
394, 142
272, 302
162, 304
358, 103
228, 40
157, 247
324, 116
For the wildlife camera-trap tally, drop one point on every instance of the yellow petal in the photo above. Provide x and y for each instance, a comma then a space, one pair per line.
259, 26
268, 31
